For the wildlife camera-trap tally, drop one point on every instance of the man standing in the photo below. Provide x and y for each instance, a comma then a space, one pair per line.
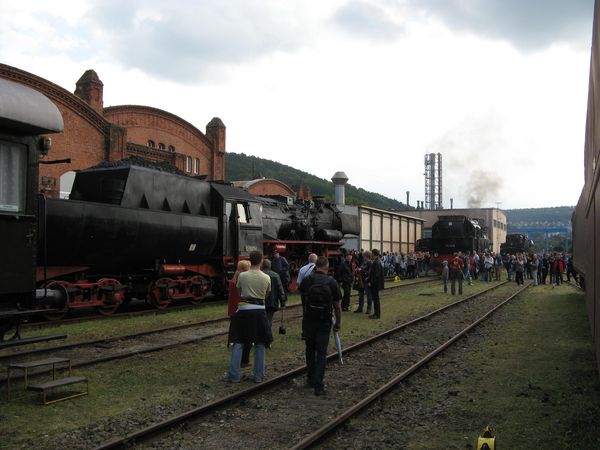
344, 277
322, 298
276, 297
376, 283
456, 274
306, 269
281, 266
249, 325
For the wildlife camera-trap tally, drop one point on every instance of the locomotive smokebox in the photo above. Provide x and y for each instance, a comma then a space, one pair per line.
340, 179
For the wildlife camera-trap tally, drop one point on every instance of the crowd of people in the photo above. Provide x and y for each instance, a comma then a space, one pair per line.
259, 288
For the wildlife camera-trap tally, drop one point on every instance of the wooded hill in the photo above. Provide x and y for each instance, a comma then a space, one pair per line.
239, 167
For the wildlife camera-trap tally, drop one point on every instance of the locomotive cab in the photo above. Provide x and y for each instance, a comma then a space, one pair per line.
25, 115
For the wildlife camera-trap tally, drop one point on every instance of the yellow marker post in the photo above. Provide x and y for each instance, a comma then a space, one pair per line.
486, 441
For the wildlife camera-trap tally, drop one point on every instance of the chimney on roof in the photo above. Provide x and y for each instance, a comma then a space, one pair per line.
90, 89
340, 179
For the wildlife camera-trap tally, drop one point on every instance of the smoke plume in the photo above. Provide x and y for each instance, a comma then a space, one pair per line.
482, 188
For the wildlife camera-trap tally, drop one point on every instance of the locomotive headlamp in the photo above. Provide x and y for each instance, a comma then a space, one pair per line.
45, 145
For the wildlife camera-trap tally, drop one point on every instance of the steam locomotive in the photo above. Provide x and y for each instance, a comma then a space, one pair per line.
131, 231
452, 234
516, 243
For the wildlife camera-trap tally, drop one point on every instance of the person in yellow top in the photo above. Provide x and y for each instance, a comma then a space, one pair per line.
250, 325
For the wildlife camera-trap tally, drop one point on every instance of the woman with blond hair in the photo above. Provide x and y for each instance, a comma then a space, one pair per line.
234, 295
233, 301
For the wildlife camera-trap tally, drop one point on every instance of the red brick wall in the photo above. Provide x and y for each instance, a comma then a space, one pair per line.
150, 124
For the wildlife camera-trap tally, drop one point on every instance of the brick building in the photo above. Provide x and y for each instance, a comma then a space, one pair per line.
94, 134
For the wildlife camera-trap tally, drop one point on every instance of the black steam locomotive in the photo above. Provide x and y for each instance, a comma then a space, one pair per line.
452, 234
516, 243
130, 231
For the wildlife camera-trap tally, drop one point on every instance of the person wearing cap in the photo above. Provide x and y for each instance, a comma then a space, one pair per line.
445, 275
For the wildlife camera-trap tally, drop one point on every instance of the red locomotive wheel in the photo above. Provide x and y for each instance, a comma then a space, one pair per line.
112, 296
63, 307
161, 293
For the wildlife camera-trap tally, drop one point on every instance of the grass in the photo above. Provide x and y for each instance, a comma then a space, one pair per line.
189, 375
532, 376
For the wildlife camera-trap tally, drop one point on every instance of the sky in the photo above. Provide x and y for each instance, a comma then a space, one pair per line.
368, 87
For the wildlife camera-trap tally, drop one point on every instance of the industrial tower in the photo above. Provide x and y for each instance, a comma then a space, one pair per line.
433, 181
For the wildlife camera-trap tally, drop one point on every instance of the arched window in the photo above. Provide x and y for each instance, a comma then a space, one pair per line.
161, 146
151, 143
196, 166
188, 164
171, 149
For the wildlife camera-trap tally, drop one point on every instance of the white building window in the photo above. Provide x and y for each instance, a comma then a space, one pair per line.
151, 143
196, 166
188, 164
161, 146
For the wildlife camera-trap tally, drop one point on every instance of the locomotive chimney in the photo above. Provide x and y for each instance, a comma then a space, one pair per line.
407, 198
340, 179
451, 203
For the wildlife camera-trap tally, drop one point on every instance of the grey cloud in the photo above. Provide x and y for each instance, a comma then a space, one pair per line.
187, 41
526, 24
365, 19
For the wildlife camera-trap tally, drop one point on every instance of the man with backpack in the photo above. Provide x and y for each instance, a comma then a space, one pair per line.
321, 298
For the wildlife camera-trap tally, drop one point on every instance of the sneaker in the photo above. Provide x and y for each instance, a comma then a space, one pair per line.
226, 379
374, 316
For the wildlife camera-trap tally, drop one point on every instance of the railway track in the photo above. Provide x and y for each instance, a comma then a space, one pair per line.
303, 419
88, 353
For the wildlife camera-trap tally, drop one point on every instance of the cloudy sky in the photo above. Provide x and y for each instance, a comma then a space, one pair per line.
498, 87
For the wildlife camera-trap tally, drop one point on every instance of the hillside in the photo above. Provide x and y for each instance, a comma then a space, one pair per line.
239, 166
559, 216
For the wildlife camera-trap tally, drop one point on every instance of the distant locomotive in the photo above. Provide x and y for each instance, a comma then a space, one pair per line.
516, 243
451, 234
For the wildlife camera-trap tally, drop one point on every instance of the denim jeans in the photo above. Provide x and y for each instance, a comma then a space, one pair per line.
535, 277
236, 360
369, 298
316, 335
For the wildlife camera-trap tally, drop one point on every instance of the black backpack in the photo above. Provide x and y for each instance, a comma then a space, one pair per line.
319, 300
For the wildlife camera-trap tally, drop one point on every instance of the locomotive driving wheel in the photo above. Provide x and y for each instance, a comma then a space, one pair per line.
63, 307
200, 286
161, 292
112, 296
